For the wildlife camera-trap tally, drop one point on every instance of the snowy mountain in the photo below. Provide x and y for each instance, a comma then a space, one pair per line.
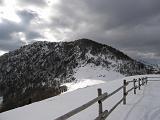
43, 69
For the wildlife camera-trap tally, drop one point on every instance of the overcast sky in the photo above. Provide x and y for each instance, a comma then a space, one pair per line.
132, 26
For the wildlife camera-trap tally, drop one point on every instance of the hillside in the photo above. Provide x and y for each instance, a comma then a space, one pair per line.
142, 106
40, 70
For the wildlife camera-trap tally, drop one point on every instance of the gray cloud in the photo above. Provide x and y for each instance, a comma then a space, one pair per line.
109, 14
124, 12
125, 24
8, 27
1, 2
6, 40
30, 35
8, 31
27, 16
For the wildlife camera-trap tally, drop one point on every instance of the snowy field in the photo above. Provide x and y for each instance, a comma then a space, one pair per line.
145, 105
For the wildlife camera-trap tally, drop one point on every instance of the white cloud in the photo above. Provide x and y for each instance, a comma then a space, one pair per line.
2, 52
8, 11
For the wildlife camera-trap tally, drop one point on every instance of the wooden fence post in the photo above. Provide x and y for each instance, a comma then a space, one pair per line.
142, 81
124, 91
146, 80
100, 102
134, 84
139, 84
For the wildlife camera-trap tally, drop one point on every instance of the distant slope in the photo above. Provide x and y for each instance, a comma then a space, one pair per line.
37, 71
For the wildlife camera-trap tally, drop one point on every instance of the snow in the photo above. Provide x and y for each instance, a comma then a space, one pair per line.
90, 75
82, 84
144, 105
90, 71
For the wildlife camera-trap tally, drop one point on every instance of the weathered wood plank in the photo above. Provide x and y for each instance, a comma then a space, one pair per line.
130, 81
100, 102
124, 91
139, 84
134, 85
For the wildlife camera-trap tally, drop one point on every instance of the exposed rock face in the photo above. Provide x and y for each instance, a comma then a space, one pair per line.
37, 71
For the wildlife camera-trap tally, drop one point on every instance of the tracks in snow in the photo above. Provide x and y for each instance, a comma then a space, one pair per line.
147, 107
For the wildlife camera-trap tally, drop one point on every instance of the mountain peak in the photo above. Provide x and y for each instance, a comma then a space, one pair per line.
39, 70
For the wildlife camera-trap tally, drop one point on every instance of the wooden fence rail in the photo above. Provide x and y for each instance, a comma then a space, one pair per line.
101, 97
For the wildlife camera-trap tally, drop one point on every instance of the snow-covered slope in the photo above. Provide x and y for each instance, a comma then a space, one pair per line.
90, 75
144, 105
90, 71
39, 70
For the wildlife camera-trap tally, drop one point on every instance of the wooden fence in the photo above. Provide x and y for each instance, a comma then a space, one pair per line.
137, 83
